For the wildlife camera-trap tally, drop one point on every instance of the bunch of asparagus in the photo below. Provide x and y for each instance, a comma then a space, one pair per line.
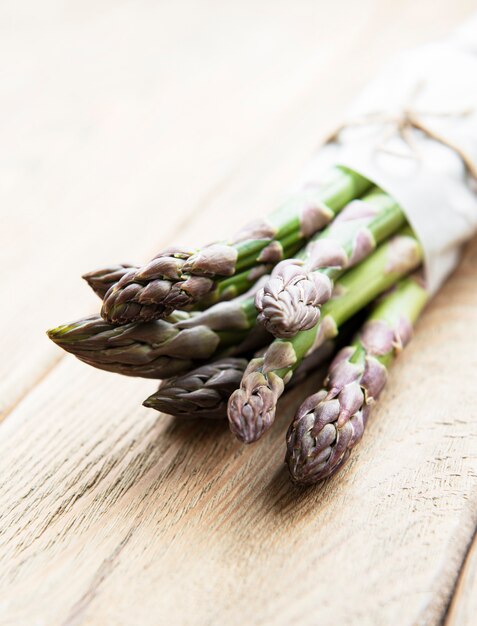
228, 326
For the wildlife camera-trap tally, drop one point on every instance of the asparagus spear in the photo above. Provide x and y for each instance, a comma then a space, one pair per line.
204, 392
251, 409
201, 393
177, 278
331, 422
102, 279
194, 289
161, 348
297, 288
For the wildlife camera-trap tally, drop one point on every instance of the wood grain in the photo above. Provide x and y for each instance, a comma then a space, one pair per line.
131, 124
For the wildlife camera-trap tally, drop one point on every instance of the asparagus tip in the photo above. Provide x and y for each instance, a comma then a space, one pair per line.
290, 301
252, 408
57, 334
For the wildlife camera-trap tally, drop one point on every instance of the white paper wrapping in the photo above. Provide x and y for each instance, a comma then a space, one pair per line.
429, 181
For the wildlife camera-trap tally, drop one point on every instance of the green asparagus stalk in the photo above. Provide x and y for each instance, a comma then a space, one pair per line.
291, 300
330, 423
251, 409
299, 218
163, 348
203, 392
177, 278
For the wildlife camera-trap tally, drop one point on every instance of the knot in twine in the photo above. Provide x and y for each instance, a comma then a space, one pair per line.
401, 125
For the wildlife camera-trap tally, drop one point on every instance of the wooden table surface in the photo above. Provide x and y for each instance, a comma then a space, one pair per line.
129, 125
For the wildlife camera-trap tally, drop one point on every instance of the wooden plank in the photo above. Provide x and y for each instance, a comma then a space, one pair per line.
111, 514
